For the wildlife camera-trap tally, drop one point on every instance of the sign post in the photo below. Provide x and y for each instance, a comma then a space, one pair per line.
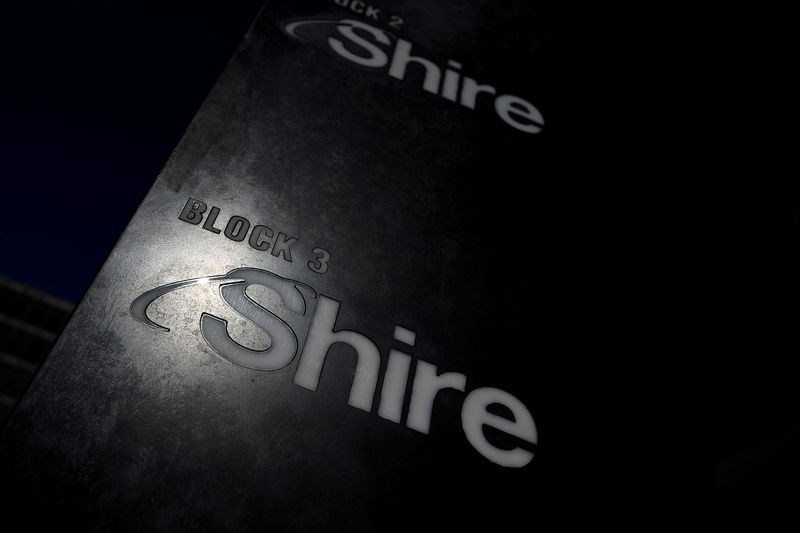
330, 311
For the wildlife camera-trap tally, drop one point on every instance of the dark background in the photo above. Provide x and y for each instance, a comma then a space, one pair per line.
699, 113
95, 95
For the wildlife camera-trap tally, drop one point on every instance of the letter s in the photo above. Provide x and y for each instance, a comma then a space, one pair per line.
283, 341
377, 58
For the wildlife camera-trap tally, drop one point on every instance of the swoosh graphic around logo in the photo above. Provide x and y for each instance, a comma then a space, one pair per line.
283, 339
291, 28
139, 305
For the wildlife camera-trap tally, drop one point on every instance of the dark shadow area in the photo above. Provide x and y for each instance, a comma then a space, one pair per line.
30, 321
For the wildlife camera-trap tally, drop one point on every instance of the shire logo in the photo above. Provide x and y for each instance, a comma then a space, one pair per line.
371, 47
321, 335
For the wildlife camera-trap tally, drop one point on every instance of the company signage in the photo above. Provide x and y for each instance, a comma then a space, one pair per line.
319, 338
327, 312
368, 46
